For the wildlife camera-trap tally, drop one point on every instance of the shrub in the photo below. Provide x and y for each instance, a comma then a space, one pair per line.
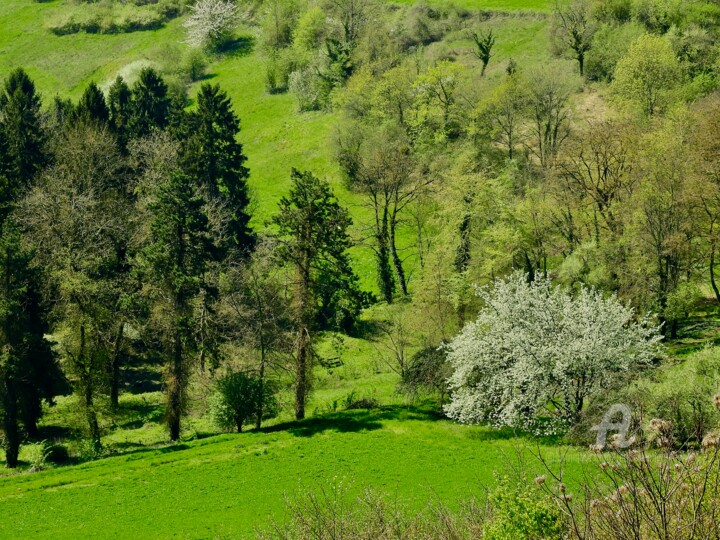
239, 397
519, 512
194, 65
427, 373
310, 90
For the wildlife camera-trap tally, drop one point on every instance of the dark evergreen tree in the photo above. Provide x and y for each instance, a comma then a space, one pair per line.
20, 124
312, 229
27, 365
119, 103
150, 104
215, 159
92, 106
178, 255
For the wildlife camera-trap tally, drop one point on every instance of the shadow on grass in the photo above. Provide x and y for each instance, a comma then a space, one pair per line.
353, 421
240, 46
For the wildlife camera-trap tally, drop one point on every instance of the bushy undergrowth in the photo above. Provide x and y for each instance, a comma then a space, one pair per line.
509, 512
109, 17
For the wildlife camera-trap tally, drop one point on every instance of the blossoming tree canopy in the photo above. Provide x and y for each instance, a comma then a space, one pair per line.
536, 350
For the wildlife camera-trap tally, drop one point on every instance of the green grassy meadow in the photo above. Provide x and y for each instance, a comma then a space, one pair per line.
229, 485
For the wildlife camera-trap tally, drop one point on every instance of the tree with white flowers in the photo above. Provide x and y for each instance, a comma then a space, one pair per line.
210, 23
539, 351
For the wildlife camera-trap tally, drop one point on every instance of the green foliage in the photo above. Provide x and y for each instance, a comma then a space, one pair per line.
648, 74
239, 397
311, 29
523, 512
610, 43
150, 104
215, 161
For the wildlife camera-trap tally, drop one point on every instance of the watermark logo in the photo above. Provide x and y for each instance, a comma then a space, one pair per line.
621, 427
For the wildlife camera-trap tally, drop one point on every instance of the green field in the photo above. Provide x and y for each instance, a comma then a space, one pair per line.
232, 484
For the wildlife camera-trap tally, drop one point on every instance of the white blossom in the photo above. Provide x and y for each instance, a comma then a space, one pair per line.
538, 350
210, 22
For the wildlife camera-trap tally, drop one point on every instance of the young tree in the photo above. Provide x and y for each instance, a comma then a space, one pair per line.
549, 112
648, 74
484, 42
174, 262
504, 110
576, 29
535, 349
255, 307
239, 397
210, 23
312, 230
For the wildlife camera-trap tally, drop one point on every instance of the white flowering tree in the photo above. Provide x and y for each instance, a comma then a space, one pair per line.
210, 23
540, 351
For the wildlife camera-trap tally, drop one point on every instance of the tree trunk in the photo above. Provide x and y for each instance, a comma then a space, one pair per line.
301, 373
258, 419
115, 367
304, 350
88, 388
462, 256
712, 273
10, 426
385, 277
581, 63
175, 389
397, 262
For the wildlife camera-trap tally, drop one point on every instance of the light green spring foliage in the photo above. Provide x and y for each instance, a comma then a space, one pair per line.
538, 350
521, 512
648, 74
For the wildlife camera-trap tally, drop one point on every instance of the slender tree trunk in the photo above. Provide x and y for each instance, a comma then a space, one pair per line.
175, 388
385, 277
88, 390
258, 420
304, 348
462, 256
397, 261
581, 63
10, 425
115, 367
712, 273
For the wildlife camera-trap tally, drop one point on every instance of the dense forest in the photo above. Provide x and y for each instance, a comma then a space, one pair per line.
520, 238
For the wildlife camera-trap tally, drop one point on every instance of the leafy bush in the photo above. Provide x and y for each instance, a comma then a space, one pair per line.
239, 397
310, 90
519, 512
427, 373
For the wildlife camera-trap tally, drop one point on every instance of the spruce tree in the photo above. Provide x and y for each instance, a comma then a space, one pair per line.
150, 104
119, 103
92, 106
215, 160
27, 365
20, 124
